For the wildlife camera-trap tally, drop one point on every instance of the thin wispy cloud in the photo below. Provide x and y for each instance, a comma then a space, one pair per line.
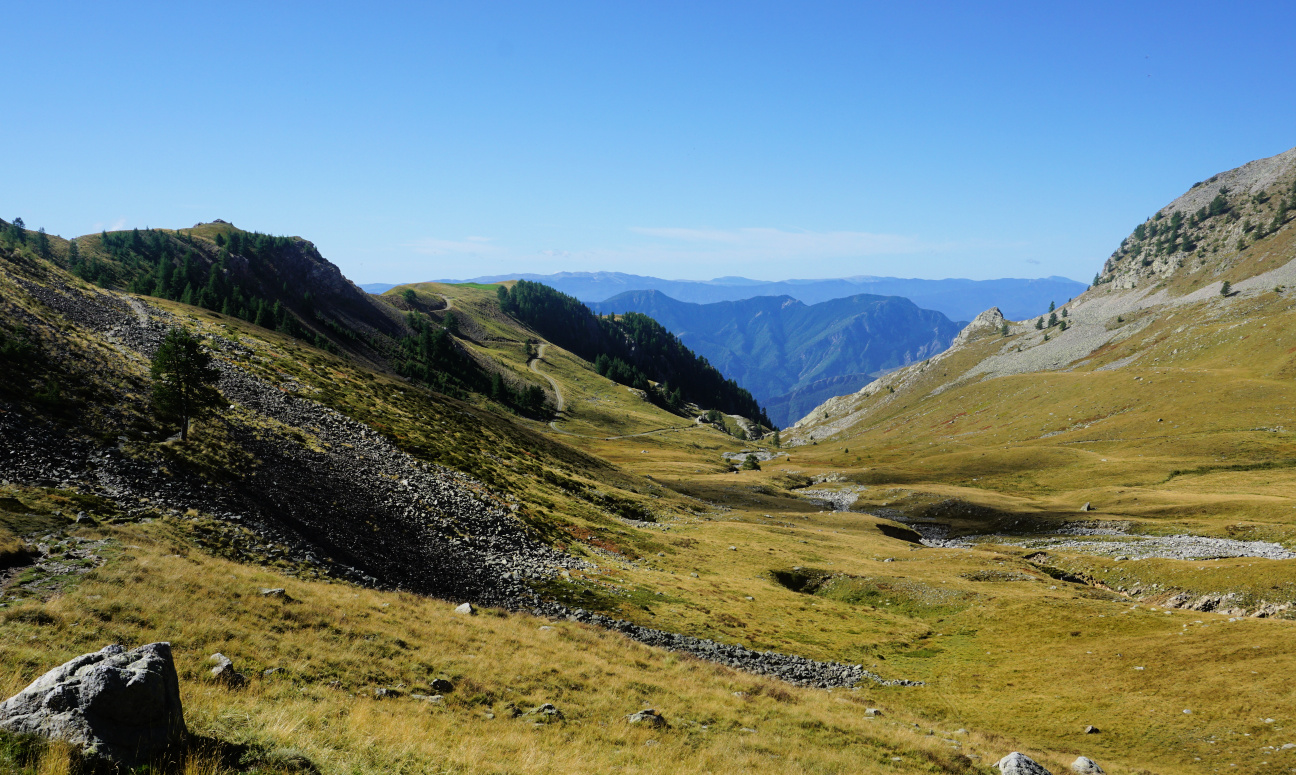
763, 253
780, 242
469, 246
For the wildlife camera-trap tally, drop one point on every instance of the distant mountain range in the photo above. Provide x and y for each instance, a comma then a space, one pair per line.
793, 356
957, 299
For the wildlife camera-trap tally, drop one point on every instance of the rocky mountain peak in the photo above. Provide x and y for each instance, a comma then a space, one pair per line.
1209, 225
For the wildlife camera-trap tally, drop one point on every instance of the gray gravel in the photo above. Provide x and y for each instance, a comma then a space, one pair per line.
1175, 547
1070, 537
838, 500
762, 455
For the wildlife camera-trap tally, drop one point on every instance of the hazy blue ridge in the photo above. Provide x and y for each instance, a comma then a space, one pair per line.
957, 299
377, 288
776, 346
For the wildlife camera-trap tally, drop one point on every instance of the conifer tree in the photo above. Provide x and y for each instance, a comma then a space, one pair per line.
184, 380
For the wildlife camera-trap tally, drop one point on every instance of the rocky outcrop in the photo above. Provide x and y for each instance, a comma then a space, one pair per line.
990, 321
1227, 604
114, 705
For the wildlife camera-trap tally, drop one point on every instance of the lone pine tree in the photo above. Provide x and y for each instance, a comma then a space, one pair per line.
184, 380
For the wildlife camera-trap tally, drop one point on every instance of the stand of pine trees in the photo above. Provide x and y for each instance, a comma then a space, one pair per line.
432, 357
632, 349
171, 265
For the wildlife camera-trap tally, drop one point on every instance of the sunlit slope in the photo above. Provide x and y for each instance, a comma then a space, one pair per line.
592, 405
1130, 386
333, 645
86, 384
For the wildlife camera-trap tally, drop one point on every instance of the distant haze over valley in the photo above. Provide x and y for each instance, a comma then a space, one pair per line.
957, 299
797, 343
793, 356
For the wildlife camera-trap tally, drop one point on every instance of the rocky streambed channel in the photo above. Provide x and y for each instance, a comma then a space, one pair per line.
1105, 538
1134, 547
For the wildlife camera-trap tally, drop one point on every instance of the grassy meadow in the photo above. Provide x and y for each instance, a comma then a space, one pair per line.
1017, 651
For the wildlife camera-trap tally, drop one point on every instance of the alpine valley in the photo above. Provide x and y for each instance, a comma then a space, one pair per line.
482, 527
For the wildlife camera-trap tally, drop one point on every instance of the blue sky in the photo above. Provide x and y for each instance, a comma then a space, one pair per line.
685, 140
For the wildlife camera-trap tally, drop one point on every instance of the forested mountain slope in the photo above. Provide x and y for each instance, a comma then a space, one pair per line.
284, 284
788, 353
631, 349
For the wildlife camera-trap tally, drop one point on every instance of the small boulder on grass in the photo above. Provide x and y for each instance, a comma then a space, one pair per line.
545, 714
1086, 766
442, 686
1020, 764
435, 699
466, 609
224, 671
647, 718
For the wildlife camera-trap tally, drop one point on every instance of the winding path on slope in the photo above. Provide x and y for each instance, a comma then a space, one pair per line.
534, 365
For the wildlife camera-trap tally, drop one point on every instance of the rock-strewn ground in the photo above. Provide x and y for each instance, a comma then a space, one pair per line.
345, 500
1175, 547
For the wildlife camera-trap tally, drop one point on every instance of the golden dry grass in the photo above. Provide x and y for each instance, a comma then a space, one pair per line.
1018, 658
158, 588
